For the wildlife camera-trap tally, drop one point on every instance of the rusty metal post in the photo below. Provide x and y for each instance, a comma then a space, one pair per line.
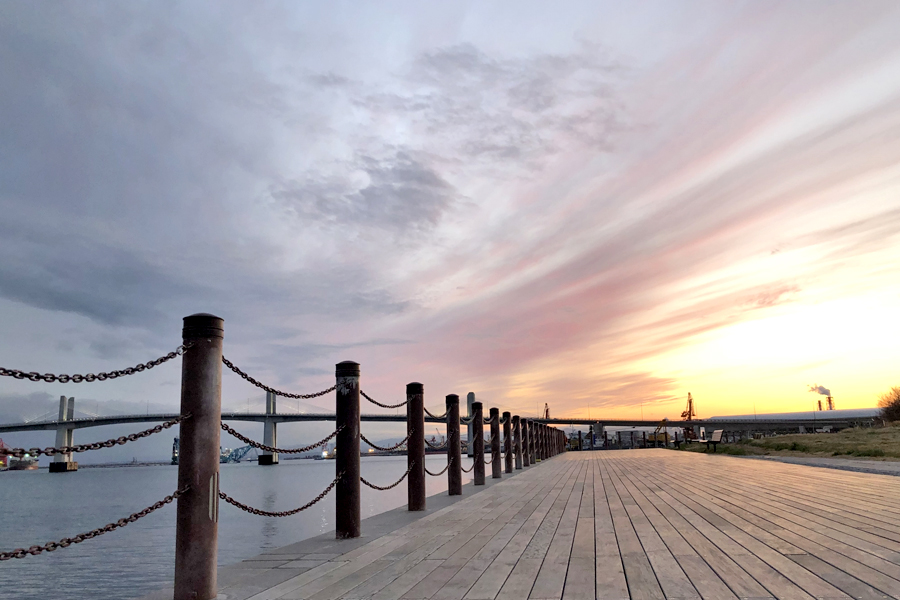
580, 441
644, 438
507, 442
196, 524
454, 453
526, 458
537, 443
415, 453
347, 450
496, 468
517, 440
477, 442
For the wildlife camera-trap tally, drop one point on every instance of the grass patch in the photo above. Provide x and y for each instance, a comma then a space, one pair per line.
879, 442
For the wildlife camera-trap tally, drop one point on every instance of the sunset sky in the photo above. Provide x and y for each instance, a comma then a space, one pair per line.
598, 205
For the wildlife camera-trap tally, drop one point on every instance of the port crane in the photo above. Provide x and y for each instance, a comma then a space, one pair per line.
688, 415
546, 411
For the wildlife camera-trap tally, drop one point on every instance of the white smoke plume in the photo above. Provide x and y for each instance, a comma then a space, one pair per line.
820, 389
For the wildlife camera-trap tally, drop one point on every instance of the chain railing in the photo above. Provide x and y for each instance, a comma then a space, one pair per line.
256, 444
382, 448
436, 446
387, 487
433, 416
442, 471
119, 441
68, 541
469, 470
90, 377
377, 403
262, 386
284, 513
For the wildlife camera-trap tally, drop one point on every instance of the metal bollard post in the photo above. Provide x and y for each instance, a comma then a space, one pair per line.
580, 441
495, 444
470, 399
529, 440
415, 445
347, 450
454, 453
517, 440
545, 433
196, 524
527, 459
477, 442
507, 442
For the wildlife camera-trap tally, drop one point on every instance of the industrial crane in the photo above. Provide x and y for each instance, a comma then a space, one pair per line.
688, 415
546, 410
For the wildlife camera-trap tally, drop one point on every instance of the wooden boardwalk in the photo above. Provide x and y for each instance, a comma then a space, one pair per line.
641, 524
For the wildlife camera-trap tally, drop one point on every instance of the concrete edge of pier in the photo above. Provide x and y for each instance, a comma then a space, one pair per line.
258, 573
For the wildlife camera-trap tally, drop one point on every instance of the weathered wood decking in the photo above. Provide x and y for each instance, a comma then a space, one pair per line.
629, 524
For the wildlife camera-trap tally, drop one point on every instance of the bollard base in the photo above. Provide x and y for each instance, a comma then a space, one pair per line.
63, 467
267, 459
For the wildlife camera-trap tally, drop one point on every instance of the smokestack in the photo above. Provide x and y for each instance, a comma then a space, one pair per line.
820, 404
829, 402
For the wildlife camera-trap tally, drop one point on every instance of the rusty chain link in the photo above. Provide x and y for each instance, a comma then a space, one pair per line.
388, 449
377, 403
284, 513
90, 377
231, 366
247, 440
66, 542
436, 446
387, 487
119, 441
442, 471
428, 412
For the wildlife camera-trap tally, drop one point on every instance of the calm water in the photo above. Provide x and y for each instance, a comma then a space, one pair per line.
37, 507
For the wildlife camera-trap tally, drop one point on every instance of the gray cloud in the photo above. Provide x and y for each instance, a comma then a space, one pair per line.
400, 194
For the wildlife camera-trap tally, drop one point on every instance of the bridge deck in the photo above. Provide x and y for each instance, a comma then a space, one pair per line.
647, 524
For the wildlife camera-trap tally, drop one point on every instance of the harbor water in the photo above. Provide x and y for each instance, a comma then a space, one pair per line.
37, 507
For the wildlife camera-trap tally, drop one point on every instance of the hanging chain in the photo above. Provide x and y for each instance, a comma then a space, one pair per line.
469, 470
442, 471
231, 366
436, 446
247, 440
119, 441
50, 377
66, 542
377, 403
285, 513
388, 449
387, 487
428, 412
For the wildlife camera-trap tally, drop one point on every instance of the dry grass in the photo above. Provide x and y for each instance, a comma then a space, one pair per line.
881, 443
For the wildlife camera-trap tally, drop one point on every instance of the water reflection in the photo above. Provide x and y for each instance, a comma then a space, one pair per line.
137, 559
